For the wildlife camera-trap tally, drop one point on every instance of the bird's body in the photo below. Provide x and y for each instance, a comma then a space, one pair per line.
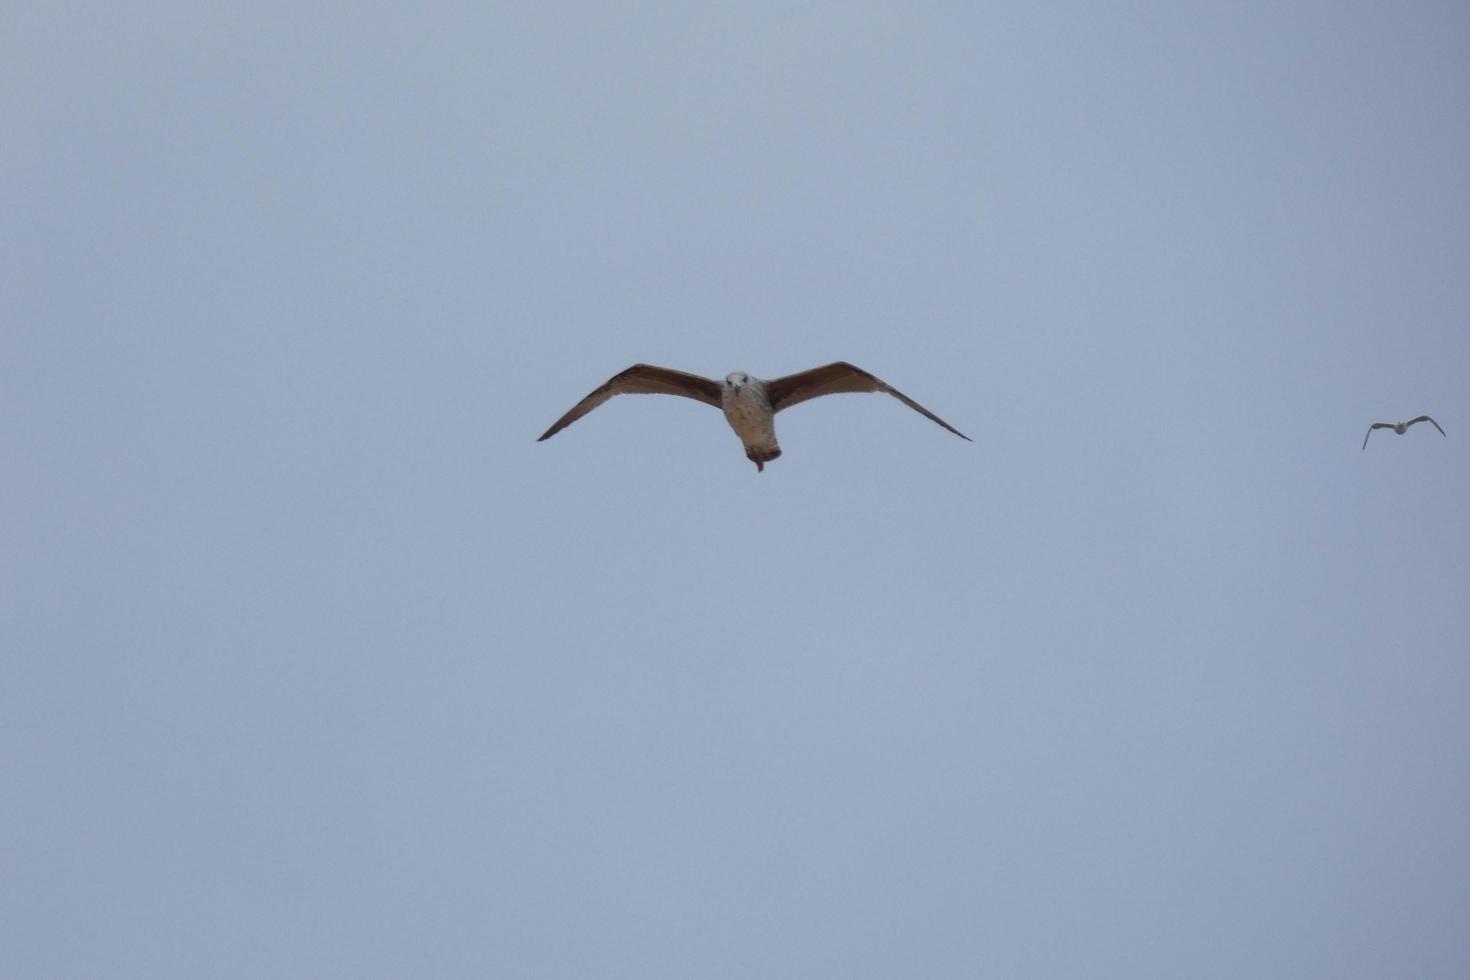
747, 407
1399, 428
750, 404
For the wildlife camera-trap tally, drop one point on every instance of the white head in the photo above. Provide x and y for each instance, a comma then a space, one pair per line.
737, 380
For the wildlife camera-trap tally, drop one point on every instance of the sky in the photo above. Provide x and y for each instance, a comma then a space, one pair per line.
315, 663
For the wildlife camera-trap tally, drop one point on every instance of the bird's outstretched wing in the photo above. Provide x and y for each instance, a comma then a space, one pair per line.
642, 379
840, 378
1375, 425
1426, 418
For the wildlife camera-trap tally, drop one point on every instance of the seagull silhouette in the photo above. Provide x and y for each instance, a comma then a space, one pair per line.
750, 404
1399, 427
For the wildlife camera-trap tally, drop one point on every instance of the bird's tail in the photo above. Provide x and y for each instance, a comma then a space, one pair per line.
760, 456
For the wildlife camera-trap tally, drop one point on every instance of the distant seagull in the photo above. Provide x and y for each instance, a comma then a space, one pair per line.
1398, 427
750, 404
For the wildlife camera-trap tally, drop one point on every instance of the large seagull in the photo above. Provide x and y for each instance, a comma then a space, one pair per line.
750, 404
1398, 427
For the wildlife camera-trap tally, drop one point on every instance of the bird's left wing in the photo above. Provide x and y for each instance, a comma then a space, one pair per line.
1426, 418
642, 379
840, 378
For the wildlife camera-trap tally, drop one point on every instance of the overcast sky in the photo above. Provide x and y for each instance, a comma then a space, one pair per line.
314, 663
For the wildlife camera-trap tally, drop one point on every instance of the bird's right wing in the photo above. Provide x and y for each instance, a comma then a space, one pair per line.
1375, 425
642, 379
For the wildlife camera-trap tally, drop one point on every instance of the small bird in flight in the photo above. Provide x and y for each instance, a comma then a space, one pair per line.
1398, 427
750, 404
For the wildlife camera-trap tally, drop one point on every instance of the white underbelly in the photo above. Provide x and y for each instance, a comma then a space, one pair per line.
750, 415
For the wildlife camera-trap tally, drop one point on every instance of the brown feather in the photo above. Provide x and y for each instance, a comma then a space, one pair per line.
840, 377
642, 379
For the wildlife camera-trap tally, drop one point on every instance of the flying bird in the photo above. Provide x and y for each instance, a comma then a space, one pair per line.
1398, 427
750, 404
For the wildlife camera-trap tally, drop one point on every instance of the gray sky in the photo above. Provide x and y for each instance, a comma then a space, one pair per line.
317, 664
